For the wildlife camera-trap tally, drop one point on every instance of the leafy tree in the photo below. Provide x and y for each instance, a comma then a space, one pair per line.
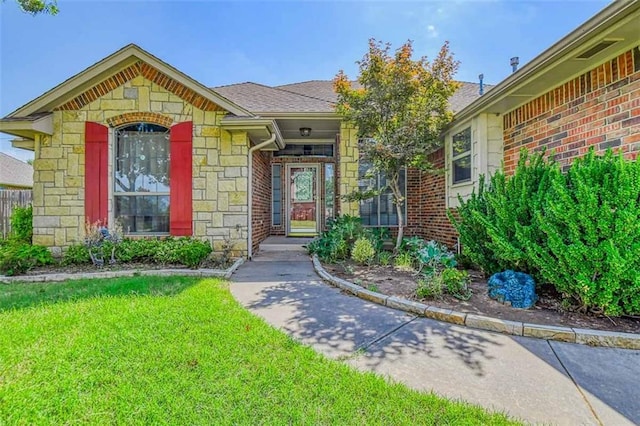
400, 107
35, 7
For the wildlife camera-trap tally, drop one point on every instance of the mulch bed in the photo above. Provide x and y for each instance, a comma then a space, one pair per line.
548, 310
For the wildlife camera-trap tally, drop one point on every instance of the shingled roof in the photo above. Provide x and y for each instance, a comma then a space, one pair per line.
14, 172
259, 98
313, 96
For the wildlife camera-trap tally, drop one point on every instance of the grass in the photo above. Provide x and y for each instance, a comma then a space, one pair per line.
185, 352
22, 295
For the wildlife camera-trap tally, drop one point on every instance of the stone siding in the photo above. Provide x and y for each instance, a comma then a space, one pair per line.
220, 163
347, 170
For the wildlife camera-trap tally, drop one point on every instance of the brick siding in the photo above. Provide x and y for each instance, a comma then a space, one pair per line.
261, 202
432, 215
600, 108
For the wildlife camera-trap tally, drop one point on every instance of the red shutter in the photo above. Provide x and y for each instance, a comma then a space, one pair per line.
96, 174
180, 179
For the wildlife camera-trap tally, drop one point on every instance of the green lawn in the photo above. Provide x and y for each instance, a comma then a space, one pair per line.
180, 351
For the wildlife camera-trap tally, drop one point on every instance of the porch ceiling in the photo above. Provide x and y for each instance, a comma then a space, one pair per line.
322, 129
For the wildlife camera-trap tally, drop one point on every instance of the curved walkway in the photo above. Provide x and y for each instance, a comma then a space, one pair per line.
532, 379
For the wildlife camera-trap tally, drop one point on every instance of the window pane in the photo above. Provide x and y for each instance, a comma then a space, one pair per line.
149, 213
315, 150
380, 210
329, 191
462, 142
462, 169
276, 195
142, 160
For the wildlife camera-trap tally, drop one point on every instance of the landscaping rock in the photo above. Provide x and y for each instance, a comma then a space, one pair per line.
516, 288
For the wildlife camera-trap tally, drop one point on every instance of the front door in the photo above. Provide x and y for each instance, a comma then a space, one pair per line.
303, 199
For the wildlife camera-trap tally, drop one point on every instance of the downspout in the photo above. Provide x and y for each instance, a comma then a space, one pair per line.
261, 145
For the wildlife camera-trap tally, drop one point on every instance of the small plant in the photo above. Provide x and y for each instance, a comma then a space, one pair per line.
363, 251
385, 258
224, 258
373, 287
456, 283
434, 257
403, 261
412, 245
22, 224
348, 269
429, 288
101, 242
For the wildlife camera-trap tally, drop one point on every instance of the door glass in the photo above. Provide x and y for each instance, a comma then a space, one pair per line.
302, 203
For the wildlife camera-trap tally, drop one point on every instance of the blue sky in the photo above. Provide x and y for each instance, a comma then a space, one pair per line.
270, 42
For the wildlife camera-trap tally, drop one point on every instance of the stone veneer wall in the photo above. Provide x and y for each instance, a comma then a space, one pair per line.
220, 164
347, 170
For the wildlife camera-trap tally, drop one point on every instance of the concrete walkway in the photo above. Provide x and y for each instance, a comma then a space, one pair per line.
534, 380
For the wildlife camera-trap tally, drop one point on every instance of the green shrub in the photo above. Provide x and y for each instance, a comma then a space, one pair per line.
456, 283
363, 251
591, 226
76, 254
22, 224
188, 251
496, 226
18, 258
579, 232
334, 244
449, 280
429, 288
385, 258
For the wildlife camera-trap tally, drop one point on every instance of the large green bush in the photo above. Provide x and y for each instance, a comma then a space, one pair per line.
591, 226
496, 224
579, 232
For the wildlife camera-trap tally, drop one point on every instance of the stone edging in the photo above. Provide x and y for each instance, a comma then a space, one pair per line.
224, 273
516, 328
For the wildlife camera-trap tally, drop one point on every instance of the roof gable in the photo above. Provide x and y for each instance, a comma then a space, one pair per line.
117, 69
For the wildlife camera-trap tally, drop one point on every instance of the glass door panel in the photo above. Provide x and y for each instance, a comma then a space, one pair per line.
303, 200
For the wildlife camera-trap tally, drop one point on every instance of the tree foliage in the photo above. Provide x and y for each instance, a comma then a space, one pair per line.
36, 7
400, 105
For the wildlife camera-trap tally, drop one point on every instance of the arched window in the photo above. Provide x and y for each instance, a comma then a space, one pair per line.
141, 178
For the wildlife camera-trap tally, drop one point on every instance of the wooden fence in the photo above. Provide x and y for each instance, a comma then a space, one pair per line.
9, 199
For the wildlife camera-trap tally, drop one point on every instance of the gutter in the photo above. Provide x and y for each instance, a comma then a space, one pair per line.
250, 192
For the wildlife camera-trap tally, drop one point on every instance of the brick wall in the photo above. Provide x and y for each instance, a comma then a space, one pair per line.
600, 108
434, 223
261, 202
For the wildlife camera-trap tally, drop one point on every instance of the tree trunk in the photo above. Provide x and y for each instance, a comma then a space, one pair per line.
397, 195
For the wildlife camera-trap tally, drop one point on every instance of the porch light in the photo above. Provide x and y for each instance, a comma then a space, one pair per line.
305, 131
